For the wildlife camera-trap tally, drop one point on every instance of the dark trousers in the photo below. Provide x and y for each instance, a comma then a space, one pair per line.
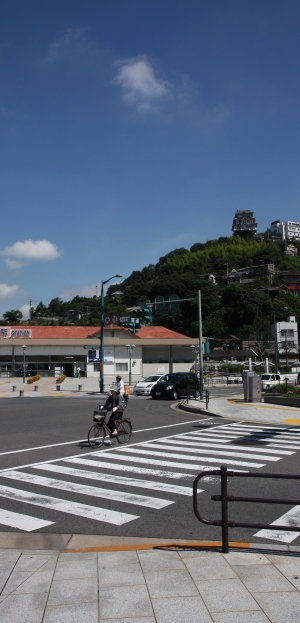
117, 415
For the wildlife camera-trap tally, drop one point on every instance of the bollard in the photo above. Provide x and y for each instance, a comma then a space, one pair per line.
14, 387
21, 392
58, 388
79, 388
36, 388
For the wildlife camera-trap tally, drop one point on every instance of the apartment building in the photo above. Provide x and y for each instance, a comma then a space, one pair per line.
285, 230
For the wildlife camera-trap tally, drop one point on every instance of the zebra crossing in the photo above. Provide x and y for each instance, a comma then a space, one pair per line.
149, 475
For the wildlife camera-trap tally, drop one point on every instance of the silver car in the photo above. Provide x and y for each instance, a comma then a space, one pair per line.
143, 388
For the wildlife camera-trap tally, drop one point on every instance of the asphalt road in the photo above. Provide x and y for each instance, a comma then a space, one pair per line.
55, 483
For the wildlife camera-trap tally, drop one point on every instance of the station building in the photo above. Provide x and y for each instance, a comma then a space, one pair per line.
53, 350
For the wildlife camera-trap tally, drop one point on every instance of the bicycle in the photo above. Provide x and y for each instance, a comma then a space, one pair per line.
97, 432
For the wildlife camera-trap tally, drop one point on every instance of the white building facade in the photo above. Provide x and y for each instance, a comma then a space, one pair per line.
285, 230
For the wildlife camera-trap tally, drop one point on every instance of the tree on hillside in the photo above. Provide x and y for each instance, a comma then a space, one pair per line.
13, 316
261, 336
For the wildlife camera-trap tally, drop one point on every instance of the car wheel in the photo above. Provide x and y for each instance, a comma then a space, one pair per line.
175, 395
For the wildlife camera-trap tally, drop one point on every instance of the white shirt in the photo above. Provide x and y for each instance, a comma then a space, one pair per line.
120, 386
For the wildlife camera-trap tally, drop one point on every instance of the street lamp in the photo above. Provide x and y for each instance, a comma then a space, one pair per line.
24, 362
101, 353
130, 348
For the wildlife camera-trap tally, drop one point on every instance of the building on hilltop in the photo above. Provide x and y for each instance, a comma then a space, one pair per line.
244, 223
284, 230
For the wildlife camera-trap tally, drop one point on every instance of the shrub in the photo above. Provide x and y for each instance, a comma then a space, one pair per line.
60, 378
33, 379
283, 388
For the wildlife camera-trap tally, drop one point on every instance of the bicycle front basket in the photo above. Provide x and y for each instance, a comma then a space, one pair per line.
99, 416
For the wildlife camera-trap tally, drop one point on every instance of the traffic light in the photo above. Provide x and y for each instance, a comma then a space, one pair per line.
145, 312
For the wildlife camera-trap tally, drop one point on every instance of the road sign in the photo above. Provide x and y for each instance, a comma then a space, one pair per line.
115, 319
125, 319
107, 320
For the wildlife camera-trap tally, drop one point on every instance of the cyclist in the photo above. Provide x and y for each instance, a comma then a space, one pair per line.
114, 404
120, 386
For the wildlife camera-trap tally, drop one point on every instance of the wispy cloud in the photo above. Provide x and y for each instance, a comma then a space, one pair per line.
30, 250
70, 46
68, 293
25, 311
7, 291
141, 87
14, 264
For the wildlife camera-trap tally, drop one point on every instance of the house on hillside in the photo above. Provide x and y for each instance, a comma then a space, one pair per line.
244, 223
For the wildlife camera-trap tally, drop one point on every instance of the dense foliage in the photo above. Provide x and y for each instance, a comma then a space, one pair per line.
246, 310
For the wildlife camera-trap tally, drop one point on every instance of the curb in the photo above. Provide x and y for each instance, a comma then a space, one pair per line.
80, 543
198, 410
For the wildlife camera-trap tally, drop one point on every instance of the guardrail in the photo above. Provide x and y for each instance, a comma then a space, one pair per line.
224, 499
191, 393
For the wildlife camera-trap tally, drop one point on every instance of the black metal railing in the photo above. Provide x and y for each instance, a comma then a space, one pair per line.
224, 498
192, 393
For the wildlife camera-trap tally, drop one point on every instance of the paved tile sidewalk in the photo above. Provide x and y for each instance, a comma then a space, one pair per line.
235, 408
149, 586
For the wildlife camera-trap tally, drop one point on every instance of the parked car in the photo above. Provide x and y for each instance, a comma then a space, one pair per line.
267, 380
143, 388
175, 385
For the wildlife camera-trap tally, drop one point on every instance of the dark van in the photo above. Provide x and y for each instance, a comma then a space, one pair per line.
175, 385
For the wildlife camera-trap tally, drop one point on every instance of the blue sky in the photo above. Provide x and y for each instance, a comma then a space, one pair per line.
130, 128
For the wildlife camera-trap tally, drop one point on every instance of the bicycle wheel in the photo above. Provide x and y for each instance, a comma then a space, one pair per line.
96, 436
124, 431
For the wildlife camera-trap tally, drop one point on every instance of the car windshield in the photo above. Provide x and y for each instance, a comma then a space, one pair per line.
168, 378
152, 379
265, 377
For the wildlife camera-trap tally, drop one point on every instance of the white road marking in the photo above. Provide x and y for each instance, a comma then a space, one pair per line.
191, 457
131, 468
291, 518
120, 480
203, 443
226, 437
22, 522
73, 508
69, 443
271, 432
119, 496
135, 459
170, 445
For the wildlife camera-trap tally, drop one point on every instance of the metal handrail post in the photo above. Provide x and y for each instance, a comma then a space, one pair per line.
224, 509
200, 344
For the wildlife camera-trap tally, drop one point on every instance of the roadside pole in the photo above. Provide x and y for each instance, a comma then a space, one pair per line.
200, 346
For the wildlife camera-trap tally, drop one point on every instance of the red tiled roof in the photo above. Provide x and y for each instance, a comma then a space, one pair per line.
55, 332
288, 287
158, 333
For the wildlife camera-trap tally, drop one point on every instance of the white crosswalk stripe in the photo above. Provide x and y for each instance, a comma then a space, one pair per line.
120, 480
119, 496
73, 508
191, 457
127, 475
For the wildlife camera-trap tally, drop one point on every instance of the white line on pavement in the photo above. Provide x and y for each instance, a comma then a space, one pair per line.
119, 496
192, 458
291, 518
68, 443
22, 522
73, 508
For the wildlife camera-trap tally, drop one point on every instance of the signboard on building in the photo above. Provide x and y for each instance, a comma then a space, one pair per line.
17, 333
93, 355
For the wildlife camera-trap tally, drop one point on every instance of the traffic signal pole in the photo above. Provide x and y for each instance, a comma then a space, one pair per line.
200, 346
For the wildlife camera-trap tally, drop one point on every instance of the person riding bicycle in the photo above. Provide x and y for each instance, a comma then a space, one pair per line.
114, 404
120, 386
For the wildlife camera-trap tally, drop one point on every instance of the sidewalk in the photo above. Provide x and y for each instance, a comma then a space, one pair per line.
235, 408
47, 387
135, 584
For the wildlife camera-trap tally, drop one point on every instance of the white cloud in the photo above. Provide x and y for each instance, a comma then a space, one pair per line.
140, 86
32, 250
73, 44
7, 291
14, 264
68, 293
25, 311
